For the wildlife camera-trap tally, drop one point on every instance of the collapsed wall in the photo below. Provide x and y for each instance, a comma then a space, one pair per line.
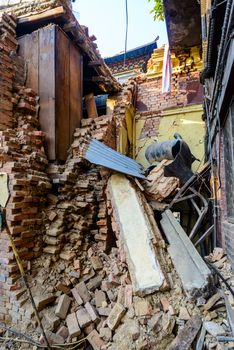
22, 157
68, 235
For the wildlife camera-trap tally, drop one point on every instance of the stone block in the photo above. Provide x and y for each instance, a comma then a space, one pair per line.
83, 292
104, 311
73, 326
96, 263
142, 307
63, 306
115, 316
43, 300
92, 312
76, 296
94, 282
100, 297
62, 332
83, 317
95, 341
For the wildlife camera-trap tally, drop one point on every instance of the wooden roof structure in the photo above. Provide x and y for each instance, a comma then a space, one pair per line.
33, 14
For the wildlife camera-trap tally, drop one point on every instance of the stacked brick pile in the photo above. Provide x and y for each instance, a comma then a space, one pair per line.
80, 209
24, 162
92, 299
23, 159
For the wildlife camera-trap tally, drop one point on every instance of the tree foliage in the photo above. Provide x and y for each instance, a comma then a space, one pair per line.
157, 10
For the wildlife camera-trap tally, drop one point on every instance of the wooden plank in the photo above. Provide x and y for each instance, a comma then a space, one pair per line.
91, 106
187, 334
62, 92
75, 82
95, 63
47, 87
29, 49
46, 15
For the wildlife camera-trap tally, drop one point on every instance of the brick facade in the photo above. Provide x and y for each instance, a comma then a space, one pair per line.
185, 90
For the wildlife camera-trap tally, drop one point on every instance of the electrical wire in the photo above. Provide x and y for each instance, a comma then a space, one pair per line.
19, 334
216, 271
22, 341
221, 3
70, 346
126, 31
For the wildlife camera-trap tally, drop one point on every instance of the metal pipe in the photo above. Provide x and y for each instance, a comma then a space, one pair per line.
208, 70
203, 237
183, 189
221, 47
184, 198
196, 206
201, 216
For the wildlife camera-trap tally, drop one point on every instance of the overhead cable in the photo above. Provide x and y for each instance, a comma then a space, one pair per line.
126, 31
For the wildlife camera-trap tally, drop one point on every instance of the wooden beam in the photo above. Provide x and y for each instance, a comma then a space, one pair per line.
91, 106
97, 79
68, 26
46, 15
95, 63
187, 334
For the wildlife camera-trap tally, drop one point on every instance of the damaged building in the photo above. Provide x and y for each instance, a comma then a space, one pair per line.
114, 222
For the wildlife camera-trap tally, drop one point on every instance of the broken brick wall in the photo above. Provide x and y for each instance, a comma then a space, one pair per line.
20, 7
23, 158
185, 90
166, 114
160, 115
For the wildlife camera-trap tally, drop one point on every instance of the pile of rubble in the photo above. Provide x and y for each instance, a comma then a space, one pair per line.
82, 284
92, 300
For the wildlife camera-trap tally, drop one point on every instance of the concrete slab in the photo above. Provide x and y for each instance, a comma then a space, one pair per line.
192, 270
137, 233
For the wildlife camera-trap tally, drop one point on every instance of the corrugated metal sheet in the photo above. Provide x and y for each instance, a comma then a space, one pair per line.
100, 154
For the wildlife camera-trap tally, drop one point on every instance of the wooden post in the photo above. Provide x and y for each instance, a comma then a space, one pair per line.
91, 106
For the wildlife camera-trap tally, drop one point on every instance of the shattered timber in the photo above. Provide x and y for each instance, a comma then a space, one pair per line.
116, 200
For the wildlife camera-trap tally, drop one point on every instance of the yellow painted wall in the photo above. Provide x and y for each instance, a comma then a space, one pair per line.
186, 121
126, 135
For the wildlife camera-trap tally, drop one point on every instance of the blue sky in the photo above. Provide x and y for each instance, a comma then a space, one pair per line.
106, 20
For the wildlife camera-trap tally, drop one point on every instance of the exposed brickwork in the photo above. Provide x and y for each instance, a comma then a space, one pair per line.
8, 46
185, 90
22, 157
151, 126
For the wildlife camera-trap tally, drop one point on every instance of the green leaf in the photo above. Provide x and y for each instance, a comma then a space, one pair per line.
157, 10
